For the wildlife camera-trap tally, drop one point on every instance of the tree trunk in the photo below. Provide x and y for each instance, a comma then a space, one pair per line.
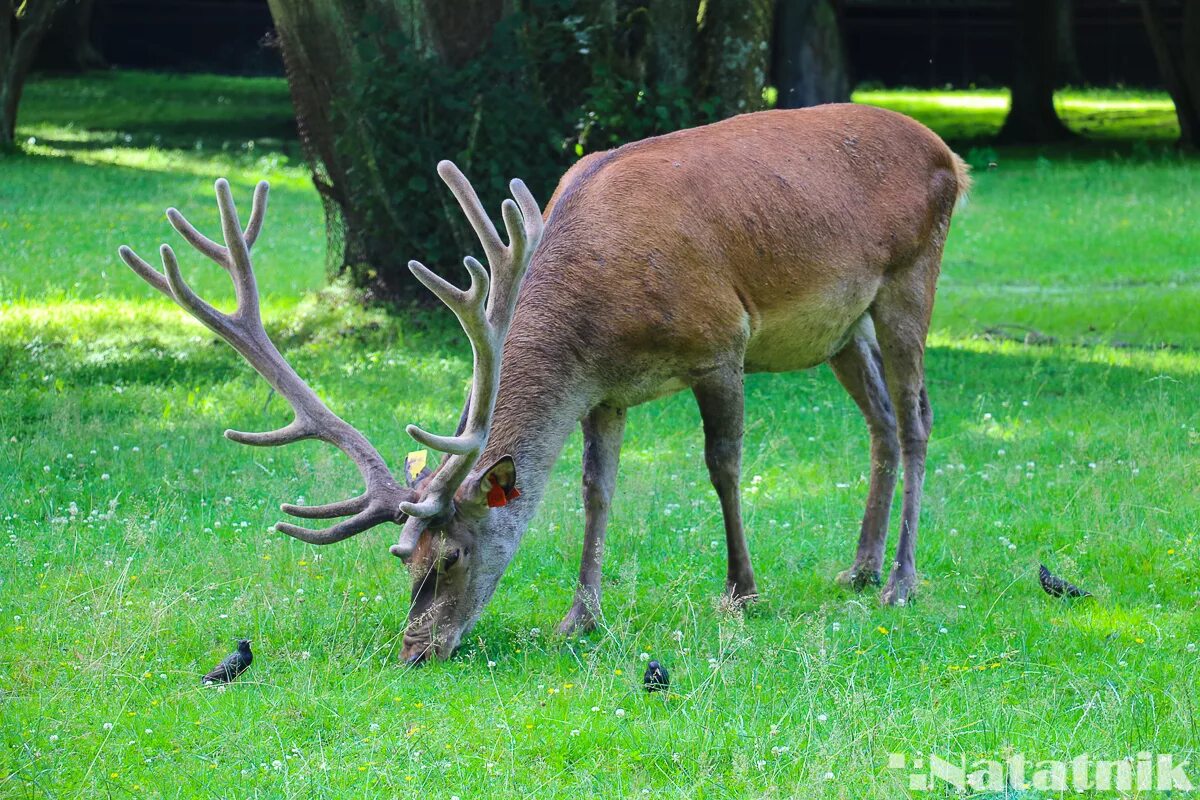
1068, 56
1032, 117
68, 44
735, 41
1179, 61
8, 110
810, 55
19, 38
460, 30
673, 41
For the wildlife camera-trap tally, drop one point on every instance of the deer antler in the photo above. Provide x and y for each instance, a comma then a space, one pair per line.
485, 310
243, 330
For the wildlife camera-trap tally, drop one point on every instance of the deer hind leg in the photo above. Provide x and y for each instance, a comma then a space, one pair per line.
721, 398
859, 368
603, 430
901, 312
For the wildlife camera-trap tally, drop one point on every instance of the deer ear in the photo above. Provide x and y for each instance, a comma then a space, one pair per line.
497, 486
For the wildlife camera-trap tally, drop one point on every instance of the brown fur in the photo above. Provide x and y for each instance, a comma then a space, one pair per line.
767, 242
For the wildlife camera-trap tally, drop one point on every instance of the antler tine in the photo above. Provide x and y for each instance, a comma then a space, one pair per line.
484, 310
244, 331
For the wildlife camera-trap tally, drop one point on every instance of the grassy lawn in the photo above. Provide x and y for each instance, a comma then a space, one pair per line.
134, 543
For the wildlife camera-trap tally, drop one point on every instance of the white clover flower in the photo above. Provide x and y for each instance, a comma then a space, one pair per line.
575, 732
828, 776
108, 726
644, 656
822, 717
620, 712
491, 664
53, 738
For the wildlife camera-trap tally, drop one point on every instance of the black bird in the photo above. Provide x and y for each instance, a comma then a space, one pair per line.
656, 678
232, 665
1057, 587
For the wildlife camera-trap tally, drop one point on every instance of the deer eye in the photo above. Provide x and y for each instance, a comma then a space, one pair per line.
449, 559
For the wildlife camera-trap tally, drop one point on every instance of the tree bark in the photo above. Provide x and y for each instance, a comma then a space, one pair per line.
69, 44
735, 38
1068, 56
1032, 118
672, 41
460, 30
810, 55
19, 38
1179, 61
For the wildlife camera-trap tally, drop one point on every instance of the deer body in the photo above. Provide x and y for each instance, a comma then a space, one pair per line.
769, 242
757, 244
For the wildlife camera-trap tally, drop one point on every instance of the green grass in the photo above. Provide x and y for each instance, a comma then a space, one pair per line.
134, 545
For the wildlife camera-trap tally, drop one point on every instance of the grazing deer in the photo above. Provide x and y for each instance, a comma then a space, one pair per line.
769, 242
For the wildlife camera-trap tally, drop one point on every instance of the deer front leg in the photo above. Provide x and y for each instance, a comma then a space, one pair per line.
721, 398
603, 430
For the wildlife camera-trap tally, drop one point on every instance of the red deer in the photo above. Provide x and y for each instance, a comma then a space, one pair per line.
768, 242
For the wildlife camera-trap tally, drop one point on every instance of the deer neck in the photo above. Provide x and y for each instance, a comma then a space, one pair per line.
541, 399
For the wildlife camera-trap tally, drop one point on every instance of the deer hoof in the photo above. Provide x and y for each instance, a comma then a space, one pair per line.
858, 578
578, 620
898, 590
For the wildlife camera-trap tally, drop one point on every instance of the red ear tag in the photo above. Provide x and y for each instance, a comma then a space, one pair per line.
496, 496
512, 494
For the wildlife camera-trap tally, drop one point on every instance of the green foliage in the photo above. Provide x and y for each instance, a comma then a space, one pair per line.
135, 541
543, 93
404, 111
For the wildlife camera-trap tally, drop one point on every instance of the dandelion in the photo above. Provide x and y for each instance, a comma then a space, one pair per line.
883, 630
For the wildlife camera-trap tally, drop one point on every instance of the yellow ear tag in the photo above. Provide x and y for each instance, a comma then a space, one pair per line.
414, 462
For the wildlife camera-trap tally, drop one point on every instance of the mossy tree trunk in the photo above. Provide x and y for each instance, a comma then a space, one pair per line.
735, 45
810, 54
384, 88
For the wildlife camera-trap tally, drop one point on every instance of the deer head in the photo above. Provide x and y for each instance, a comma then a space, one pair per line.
444, 512
458, 537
